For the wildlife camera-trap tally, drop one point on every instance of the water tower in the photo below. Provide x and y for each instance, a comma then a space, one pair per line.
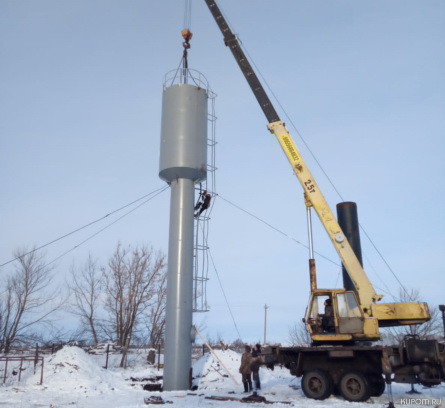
183, 163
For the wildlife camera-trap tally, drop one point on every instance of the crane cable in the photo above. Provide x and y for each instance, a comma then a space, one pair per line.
289, 119
187, 14
187, 36
323, 171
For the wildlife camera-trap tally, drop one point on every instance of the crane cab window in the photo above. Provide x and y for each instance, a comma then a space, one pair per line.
347, 305
322, 314
318, 306
350, 318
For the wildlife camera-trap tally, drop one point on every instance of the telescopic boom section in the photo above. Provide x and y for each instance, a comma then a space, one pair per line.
231, 41
313, 195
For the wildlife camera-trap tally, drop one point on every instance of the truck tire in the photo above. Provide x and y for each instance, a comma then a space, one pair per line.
354, 386
377, 386
317, 384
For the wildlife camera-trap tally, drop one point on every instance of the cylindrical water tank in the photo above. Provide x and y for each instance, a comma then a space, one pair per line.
183, 133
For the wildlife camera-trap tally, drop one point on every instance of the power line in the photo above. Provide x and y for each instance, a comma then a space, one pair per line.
387, 264
156, 192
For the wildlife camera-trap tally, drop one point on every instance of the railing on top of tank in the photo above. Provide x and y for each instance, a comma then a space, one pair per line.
186, 76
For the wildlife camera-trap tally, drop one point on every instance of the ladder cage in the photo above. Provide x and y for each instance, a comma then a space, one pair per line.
201, 256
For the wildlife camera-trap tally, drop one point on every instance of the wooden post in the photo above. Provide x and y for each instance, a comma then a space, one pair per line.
36, 357
20, 369
106, 361
41, 372
265, 322
6, 369
216, 356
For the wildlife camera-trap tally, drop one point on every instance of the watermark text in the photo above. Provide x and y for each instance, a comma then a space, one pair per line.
421, 401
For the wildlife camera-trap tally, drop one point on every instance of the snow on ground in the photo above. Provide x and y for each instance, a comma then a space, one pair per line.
73, 378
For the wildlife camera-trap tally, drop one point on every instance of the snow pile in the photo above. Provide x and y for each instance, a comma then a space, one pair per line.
72, 377
72, 369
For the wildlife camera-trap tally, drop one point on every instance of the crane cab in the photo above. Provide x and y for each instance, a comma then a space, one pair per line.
335, 315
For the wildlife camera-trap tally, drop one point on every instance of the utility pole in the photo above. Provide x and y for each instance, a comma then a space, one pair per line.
265, 322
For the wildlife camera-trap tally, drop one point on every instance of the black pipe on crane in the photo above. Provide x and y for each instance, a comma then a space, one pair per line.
348, 220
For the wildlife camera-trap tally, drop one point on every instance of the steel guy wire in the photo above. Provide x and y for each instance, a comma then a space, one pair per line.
159, 190
274, 228
109, 225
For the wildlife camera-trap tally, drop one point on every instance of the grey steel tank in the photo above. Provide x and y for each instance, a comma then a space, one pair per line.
183, 133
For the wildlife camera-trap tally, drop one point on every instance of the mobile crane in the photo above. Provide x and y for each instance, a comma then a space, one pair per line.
353, 369
357, 315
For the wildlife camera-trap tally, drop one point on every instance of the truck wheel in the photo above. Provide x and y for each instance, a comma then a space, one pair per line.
354, 387
317, 384
377, 386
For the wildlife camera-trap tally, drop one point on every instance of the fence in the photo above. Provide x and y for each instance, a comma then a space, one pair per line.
35, 355
35, 359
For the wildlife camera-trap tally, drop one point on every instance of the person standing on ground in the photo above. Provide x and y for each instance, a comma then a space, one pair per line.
245, 370
255, 366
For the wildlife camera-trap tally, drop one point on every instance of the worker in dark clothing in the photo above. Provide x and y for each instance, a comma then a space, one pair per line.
327, 319
255, 366
245, 370
203, 203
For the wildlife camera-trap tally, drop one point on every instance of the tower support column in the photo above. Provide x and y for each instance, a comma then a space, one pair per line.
178, 342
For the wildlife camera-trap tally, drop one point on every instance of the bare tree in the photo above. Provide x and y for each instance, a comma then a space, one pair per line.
86, 289
429, 329
299, 335
25, 301
130, 283
156, 319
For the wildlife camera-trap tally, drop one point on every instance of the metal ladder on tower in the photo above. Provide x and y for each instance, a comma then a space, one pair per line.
201, 255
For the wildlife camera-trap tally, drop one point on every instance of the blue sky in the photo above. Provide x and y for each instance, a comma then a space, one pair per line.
81, 87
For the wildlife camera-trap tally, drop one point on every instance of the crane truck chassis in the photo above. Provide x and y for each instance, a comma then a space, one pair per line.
358, 372
340, 361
